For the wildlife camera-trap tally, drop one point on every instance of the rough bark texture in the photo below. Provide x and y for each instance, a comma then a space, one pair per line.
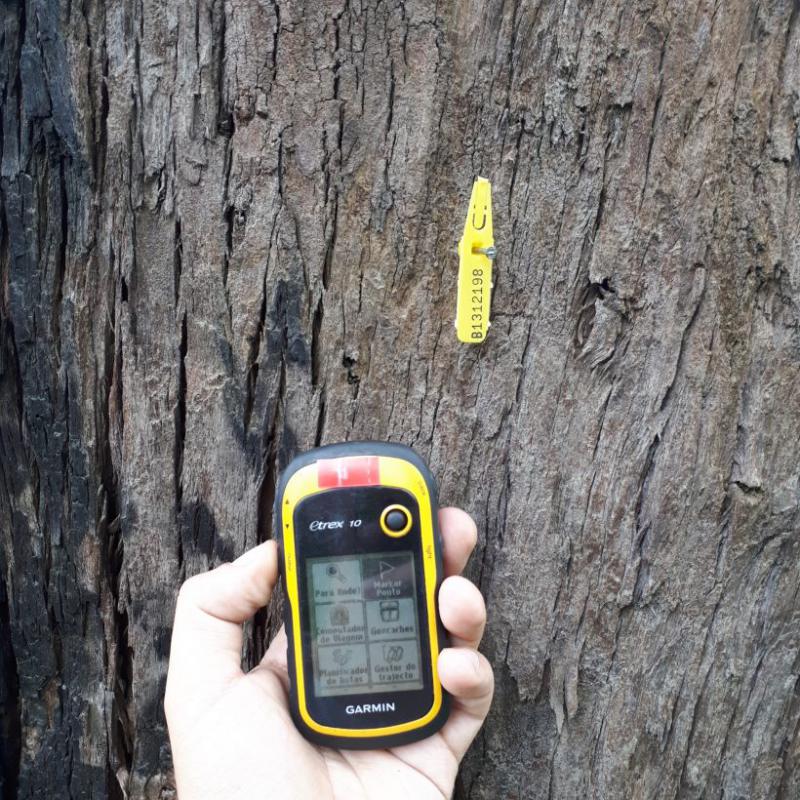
227, 235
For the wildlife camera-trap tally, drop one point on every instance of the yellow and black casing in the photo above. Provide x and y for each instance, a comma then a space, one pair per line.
337, 484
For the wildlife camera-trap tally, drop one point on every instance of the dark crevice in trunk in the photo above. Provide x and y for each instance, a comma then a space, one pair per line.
119, 662
230, 213
266, 493
267, 621
316, 327
122, 662
225, 123
252, 359
643, 483
226, 126
275, 34
320, 432
115, 791
230, 218
61, 260
10, 398
180, 418
180, 400
177, 261
328, 262
10, 712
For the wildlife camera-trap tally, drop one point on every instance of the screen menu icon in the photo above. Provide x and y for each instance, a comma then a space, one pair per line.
364, 624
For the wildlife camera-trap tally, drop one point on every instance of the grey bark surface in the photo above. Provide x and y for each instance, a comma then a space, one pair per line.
227, 235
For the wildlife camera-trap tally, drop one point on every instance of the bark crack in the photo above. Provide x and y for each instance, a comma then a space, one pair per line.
10, 705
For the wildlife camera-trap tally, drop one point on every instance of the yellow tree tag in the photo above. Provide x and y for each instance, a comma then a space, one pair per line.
475, 255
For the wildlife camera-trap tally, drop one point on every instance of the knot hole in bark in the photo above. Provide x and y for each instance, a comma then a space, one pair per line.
592, 292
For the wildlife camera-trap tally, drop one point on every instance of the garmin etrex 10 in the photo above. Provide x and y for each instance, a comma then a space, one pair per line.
361, 566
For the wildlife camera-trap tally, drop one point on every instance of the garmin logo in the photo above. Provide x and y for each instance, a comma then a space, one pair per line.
369, 708
319, 525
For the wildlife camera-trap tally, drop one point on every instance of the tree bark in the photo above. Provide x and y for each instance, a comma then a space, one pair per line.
228, 232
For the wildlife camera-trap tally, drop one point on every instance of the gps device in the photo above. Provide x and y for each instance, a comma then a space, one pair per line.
360, 557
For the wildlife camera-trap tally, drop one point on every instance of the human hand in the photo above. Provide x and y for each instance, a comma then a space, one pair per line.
231, 733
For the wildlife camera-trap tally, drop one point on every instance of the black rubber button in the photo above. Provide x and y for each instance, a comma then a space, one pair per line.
396, 520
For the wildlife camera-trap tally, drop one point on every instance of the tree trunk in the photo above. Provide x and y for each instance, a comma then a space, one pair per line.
228, 232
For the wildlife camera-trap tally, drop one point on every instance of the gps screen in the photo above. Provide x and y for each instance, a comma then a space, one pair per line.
364, 623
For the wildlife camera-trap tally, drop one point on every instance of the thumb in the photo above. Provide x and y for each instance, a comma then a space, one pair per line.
206, 649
